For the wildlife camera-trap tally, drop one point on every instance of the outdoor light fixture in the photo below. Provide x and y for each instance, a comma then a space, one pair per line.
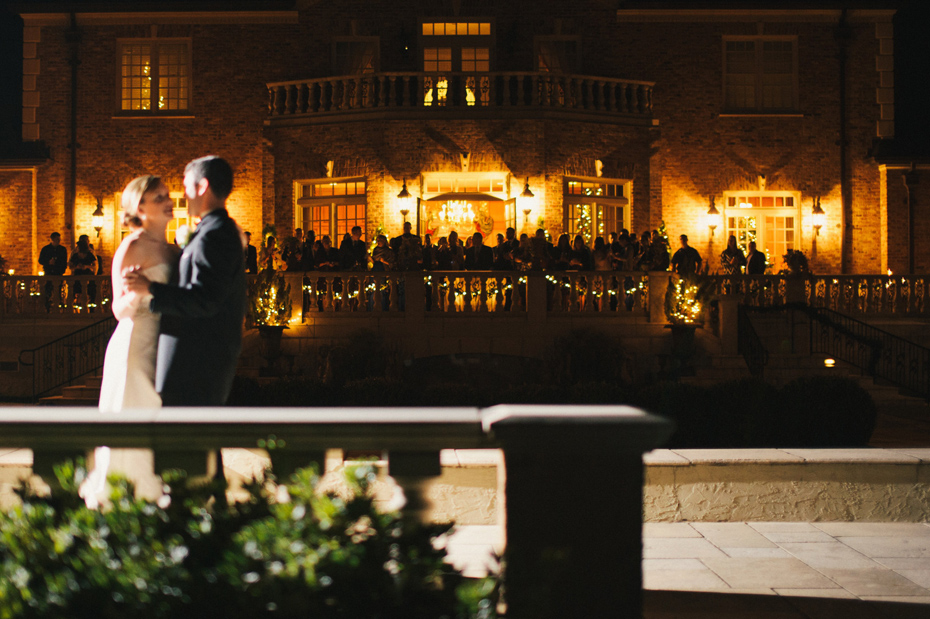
712, 217
829, 363
526, 190
817, 216
97, 218
405, 198
404, 194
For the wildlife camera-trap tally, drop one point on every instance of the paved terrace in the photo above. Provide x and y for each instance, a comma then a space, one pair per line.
765, 569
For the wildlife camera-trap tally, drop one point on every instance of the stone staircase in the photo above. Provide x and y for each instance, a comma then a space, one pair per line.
85, 394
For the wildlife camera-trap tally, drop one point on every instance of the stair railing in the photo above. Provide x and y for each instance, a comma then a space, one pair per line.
879, 353
750, 344
60, 362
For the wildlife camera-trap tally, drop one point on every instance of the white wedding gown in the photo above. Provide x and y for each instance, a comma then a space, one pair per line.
129, 383
129, 365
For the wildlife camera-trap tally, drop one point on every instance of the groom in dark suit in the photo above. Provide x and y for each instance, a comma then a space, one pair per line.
202, 312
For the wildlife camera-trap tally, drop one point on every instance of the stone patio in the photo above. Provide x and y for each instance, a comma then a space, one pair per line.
765, 569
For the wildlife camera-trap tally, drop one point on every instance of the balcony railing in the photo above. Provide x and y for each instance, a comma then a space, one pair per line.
471, 292
868, 295
39, 296
604, 482
379, 92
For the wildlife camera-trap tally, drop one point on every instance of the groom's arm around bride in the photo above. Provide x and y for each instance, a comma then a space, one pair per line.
203, 309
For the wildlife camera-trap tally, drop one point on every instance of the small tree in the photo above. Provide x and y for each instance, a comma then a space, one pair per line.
270, 300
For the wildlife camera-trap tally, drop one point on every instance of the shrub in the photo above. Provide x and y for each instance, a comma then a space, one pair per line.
826, 411
584, 356
362, 355
313, 556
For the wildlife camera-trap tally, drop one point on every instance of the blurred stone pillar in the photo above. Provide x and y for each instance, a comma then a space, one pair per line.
574, 477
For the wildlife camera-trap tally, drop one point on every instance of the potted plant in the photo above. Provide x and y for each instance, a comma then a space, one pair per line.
684, 306
270, 310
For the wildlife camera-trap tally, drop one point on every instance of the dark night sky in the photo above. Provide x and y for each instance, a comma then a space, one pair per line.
912, 75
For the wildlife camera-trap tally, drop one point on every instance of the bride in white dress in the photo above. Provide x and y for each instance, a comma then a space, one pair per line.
129, 365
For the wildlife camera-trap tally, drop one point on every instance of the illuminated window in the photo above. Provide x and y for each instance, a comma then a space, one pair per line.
470, 182
181, 217
768, 218
760, 74
437, 59
154, 76
331, 206
595, 207
476, 59
457, 29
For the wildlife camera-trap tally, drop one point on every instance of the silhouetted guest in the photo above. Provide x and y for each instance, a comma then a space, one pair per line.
732, 258
353, 253
601, 257
479, 257
755, 261
687, 260
580, 258
443, 255
251, 255
382, 257
405, 237
456, 251
83, 262
307, 252
269, 258
561, 254
54, 261
429, 253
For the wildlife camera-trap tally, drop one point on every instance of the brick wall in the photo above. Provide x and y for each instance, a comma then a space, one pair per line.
16, 238
694, 154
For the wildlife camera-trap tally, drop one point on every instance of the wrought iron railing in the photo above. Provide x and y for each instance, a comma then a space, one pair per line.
877, 352
60, 362
750, 344
377, 92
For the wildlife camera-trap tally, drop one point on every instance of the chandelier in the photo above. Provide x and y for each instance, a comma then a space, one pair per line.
456, 212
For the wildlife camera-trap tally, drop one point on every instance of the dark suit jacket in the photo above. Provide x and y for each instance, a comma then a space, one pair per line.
202, 314
251, 259
483, 261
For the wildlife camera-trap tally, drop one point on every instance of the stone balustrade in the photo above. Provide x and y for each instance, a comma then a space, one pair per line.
379, 92
597, 480
856, 295
41, 296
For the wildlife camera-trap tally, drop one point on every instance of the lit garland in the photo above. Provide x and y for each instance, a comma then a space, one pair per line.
270, 299
584, 223
683, 301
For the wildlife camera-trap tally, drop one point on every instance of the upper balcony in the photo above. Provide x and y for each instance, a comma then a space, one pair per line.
459, 95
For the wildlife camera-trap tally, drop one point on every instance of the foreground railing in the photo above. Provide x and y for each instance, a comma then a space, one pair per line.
446, 90
39, 296
603, 484
848, 294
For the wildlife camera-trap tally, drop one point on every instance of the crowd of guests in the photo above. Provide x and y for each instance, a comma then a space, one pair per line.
408, 252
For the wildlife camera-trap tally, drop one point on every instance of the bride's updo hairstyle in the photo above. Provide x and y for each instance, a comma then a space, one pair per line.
132, 197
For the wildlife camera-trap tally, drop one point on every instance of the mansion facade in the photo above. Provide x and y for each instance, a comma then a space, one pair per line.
578, 117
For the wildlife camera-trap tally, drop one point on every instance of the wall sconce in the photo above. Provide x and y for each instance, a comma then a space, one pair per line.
712, 218
405, 198
818, 216
97, 218
526, 190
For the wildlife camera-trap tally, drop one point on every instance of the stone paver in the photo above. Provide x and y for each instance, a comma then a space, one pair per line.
836, 570
669, 529
909, 547
830, 555
754, 573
